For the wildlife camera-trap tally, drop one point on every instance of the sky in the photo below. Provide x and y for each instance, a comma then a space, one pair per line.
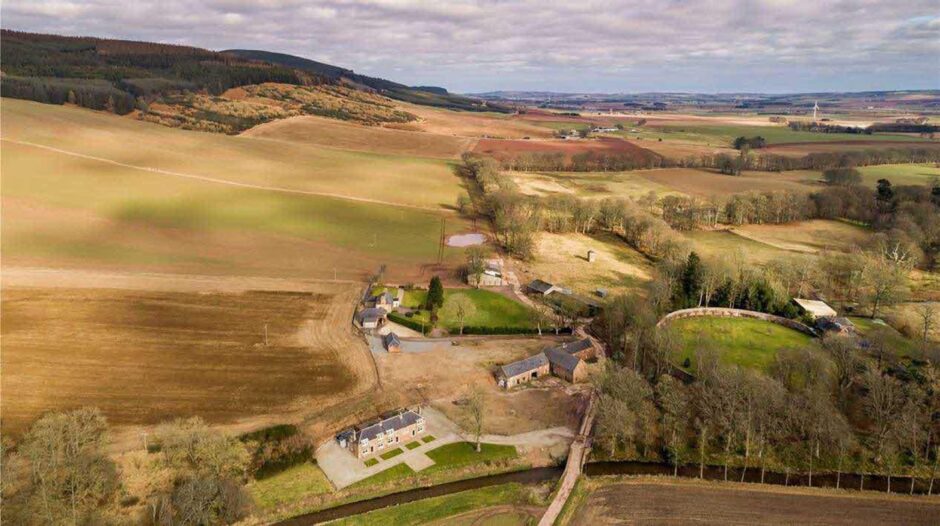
586, 46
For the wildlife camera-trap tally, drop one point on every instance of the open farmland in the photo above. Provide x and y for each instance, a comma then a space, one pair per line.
718, 243
471, 124
69, 210
144, 356
722, 134
901, 174
589, 184
741, 341
705, 183
863, 142
807, 236
562, 259
320, 131
505, 150
646, 501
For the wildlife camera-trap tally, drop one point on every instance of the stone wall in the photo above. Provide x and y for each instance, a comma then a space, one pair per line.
735, 313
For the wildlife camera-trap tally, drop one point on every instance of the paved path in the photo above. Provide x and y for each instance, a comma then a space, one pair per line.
343, 469
576, 457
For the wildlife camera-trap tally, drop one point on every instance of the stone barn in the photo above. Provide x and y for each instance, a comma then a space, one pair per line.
523, 371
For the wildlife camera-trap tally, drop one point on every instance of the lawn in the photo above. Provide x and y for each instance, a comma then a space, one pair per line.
392, 454
433, 509
461, 454
428, 439
398, 471
901, 174
413, 445
289, 485
492, 309
741, 341
371, 462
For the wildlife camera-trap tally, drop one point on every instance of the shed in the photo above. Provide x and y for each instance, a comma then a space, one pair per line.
392, 343
371, 318
538, 286
815, 308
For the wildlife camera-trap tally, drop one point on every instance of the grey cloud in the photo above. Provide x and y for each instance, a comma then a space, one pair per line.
585, 45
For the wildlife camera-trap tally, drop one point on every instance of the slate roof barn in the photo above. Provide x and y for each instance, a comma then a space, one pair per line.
541, 287
565, 365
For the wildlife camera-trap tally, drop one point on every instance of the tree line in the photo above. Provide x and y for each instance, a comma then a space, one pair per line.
850, 404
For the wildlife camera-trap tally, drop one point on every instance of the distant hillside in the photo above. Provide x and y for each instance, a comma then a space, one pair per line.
424, 95
196, 88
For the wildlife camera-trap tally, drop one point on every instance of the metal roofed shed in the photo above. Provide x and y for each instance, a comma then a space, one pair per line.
815, 308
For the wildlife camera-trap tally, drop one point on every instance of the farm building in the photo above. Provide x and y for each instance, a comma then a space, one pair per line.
564, 361
371, 318
392, 343
515, 373
814, 308
384, 300
492, 275
389, 431
566, 365
540, 287
836, 325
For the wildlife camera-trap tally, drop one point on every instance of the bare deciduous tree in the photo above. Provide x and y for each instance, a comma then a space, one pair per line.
476, 413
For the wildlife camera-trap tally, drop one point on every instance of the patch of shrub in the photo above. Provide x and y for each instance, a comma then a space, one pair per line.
276, 448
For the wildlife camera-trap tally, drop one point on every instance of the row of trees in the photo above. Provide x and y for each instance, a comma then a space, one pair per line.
591, 161
60, 473
770, 162
832, 410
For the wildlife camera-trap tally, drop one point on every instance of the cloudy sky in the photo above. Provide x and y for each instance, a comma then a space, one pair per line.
571, 45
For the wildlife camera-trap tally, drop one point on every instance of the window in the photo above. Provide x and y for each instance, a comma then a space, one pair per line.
412, 432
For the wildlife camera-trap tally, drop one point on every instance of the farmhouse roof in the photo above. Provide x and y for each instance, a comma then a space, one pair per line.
540, 286
523, 366
372, 314
384, 297
817, 308
393, 423
573, 347
562, 359
391, 340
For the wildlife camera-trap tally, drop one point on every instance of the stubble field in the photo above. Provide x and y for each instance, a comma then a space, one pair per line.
144, 356
646, 501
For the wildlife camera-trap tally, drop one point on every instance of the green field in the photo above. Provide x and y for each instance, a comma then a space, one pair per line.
741, 341
62, 210
723, 135
714, 244
460, 454
289, 485
433, 509
398, 471
900, 174
902, 345
492, 309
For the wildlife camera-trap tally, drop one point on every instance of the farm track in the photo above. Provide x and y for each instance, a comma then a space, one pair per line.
227, 182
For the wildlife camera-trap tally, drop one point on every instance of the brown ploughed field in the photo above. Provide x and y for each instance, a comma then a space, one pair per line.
646, 501
144, 356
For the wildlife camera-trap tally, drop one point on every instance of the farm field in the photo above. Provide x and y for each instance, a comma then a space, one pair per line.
505, 150
70, 211
719, 243
562, 259
647, 500
457, 506
471, 124
321, 131
741, 341
807, 236
724, 134
799, 149
707, 183
900, 174
241, 160
289, 486
589, 184
147, 356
